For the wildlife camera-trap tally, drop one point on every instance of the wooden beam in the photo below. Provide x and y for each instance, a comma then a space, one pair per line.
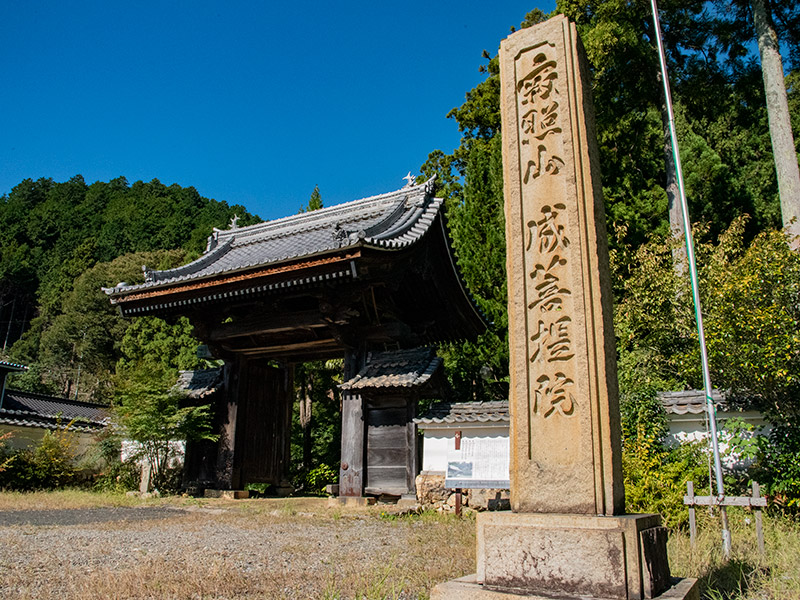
725, 501
273, 323
298, 347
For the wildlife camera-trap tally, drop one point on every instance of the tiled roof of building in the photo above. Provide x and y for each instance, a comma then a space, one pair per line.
388, 221
396, 369
26, 409
678, 403
466, 412
200, 384
690, 401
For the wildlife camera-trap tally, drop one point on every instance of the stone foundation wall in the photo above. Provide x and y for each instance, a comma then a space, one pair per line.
431, 493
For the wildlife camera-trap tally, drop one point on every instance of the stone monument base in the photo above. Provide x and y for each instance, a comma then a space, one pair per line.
569, 556
467, 588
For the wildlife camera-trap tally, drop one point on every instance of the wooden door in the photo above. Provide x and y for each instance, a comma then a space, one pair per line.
264, 421
391, 448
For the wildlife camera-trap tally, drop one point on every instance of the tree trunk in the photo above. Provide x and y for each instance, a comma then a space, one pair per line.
679, 258
305, 419
780, 129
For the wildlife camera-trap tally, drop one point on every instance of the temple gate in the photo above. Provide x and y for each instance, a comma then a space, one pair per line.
354, 280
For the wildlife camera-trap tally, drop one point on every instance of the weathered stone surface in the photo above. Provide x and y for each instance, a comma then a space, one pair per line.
485, 499
467, 588
572, 555
565, 433
430, 487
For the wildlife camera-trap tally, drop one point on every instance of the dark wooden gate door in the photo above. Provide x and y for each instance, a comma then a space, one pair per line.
264, 424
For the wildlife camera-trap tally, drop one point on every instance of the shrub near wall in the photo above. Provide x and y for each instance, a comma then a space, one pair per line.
49, 465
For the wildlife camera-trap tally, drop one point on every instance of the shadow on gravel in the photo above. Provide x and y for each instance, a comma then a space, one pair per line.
85, 516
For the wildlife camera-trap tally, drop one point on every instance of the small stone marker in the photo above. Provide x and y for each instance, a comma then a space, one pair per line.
567, 536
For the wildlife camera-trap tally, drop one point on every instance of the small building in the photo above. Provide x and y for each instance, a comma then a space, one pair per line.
687, 416
446, 429
447, 424
29, 416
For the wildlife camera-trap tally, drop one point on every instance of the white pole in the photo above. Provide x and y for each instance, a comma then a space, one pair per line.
687, 230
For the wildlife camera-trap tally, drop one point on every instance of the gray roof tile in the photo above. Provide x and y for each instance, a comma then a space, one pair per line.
388, 221
466, 412
50, 412
689, 401
396, 369
201, 383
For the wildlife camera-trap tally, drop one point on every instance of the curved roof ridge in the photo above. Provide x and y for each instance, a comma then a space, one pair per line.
323, 214
205, 259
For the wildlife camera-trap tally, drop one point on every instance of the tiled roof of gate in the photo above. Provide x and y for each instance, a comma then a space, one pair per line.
466, 412
396, 369
27, 409
201, 383
388, 221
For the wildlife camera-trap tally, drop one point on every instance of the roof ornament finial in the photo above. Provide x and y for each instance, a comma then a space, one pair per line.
234, 222
148, 273
410, 179
430, 185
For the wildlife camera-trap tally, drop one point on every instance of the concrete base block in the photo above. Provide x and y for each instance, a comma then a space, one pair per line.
350, 501
229, 494
567, 555
467, 588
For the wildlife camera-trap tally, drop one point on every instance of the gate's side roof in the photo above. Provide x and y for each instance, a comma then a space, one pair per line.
396, 369
389, 221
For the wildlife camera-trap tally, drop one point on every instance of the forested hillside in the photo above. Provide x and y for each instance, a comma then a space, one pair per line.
60, 242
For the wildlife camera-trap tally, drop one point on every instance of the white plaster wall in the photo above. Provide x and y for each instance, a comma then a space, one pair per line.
28, 437
130, 449
437, 442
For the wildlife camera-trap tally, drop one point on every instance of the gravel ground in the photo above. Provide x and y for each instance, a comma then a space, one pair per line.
165, 552
85, 516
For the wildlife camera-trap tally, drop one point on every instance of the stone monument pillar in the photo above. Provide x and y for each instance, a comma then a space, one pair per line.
568, 535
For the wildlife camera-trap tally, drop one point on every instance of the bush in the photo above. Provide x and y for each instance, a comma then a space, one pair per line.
655, 474
49, 465
778, 467
118, 477
318, 478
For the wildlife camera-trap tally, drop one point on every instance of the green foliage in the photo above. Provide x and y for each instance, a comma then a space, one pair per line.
118, 477
153, 341
59, 242
314, 202
318, 478
753, 329
50, 464
778, 468
316, 434
151, 412
73, 349
479, 370
751, 307
656, 475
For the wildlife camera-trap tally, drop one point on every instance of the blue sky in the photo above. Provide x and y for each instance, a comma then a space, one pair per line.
253, 103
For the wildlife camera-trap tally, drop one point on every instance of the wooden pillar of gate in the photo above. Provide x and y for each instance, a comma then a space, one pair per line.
351, 469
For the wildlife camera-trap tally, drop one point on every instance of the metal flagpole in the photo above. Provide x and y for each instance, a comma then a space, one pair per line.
687, 230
